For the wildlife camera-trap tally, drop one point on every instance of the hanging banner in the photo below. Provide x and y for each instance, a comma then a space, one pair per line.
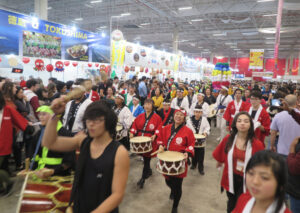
23, 35
117, 53
256, 59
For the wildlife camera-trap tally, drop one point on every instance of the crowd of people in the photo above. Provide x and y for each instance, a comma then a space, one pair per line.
260, 173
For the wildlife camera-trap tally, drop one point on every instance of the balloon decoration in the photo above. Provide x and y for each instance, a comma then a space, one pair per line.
49, 67
221, 75
90, 64
74, 64
107, 69
97, 65
126, 69
102, 68
39, 65
26, 60
13, 62
59, 66
67, 63
146, 70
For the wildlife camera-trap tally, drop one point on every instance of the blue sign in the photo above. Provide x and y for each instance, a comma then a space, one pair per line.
28, 36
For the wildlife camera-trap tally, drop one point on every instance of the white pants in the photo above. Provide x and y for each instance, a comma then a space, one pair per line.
221, 124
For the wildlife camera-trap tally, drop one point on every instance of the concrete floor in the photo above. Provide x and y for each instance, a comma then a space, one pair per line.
201, 194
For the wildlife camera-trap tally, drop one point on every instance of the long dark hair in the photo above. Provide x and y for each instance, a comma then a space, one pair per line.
98, 109
278, 166
234, 131
2, 101
7, 90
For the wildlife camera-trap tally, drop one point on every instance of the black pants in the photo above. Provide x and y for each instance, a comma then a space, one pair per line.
175, 184
238, 190
17, 150
142, 99
146, 168
199, 158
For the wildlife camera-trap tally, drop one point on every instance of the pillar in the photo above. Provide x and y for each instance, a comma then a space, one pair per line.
211, 58
291, 63
175, 40
299, 64
41, 9
286, 66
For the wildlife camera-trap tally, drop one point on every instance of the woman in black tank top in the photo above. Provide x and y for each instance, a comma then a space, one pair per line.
103, 164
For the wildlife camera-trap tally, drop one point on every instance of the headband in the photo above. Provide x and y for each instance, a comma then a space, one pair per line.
120, 96
182, 111
45, 108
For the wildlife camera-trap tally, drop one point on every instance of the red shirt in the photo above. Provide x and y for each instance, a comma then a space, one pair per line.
230, 111
238, 156
10, 117
242, 202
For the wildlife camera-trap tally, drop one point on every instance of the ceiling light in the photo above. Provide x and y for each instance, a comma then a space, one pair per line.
96, 1
194, 20
219, 34
125, 14
78, 19
185, 8
144, 24
102, 27
220, 57
260, 1
103, 35
269, 38
49, 8
250, 33
270, 15
74, 28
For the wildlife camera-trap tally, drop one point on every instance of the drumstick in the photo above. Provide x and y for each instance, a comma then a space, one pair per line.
154, 153
27, 162
74, 93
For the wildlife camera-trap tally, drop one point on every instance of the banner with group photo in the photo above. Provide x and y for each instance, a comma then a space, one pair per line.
256, 59
28, 36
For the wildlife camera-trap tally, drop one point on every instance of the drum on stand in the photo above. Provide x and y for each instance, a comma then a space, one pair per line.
170, 163
50, 195
200, 140
119, 129
140, 144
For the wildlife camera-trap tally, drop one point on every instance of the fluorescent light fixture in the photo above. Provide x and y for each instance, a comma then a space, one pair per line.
270, 15
220, 57
125, 14
270, 42
78, 19
185, 8
270, 38
195, 20
261, 1
144, 24
219, 34
49, 8
102, 27
96, 1
250, 33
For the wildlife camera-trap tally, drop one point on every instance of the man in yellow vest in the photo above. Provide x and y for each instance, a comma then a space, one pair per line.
56, 163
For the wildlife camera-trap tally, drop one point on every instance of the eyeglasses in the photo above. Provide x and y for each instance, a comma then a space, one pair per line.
95, 121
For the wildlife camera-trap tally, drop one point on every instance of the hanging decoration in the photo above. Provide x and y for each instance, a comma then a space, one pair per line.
97, 65
59, 66
74, 64
132, 68
49, 67
221, 75
102, 68
26, 60
107, 69
161, 71
39, 65
141, 69
169, 72
146, 70
126, 69
0, 59
66, 63
90, 64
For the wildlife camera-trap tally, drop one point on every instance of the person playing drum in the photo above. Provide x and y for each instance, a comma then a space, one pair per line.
146, 124
103, 164
177, 137
166, 113
199, 125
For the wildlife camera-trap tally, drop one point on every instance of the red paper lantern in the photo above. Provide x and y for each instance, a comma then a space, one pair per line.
146, 70
0, 59
90, 64
97, 65
74, 64
141, 69
126, 69
67, 63
39, 65
26, 60
107, 69
49, 67
169, 72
